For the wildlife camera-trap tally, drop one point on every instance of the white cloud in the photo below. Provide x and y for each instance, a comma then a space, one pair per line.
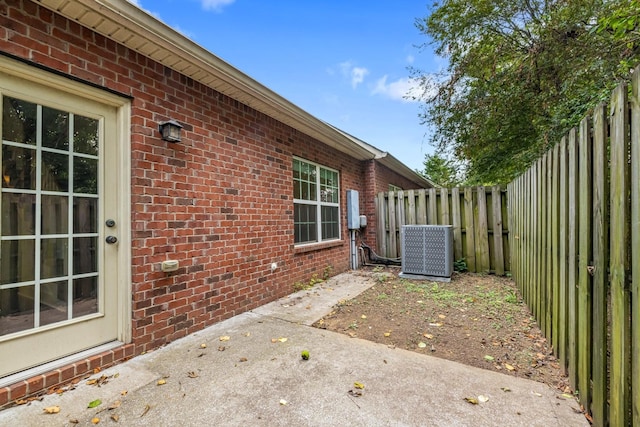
354, 74
215, 5
404, 89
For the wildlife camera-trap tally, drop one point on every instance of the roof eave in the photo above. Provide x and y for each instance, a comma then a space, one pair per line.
130, 26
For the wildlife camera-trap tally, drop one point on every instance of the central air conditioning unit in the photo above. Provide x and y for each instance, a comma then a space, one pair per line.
427, 250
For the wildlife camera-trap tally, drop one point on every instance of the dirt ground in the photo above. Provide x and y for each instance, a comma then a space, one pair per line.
478, 320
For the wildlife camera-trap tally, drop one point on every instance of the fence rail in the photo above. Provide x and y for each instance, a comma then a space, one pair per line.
476, 214
574, 218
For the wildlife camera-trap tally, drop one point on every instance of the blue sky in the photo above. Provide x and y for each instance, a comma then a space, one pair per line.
344, 61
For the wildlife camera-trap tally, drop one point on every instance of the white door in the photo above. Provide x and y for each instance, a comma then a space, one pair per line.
58, 292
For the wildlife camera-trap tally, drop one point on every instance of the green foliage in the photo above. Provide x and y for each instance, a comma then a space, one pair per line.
520, 74
441, 171
460, 265
305, 354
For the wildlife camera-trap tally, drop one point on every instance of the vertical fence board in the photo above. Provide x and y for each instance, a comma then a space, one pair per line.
457, 223
381, 222
548, 254
400, 214
619, 261
542, 243
498, 251
470, 233
393, 244
422, 206
481, 237
555, 248
444, 205
432, 217
635, 248
583, 345
571, 257
600, 265
411, 207
564, 232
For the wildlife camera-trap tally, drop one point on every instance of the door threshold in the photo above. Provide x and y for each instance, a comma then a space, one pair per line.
58, 363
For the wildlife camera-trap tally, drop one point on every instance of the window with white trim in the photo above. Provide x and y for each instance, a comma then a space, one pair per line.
316, 202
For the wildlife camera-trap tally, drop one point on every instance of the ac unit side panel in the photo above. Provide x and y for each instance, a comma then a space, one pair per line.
427, 250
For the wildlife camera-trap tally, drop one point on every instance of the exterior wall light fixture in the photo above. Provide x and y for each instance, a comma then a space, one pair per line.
171, 131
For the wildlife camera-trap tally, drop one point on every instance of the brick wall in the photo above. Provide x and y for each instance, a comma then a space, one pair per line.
220, 201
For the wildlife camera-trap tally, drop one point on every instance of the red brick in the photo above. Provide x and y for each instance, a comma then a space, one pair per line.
4, 396
35, 384
51, 378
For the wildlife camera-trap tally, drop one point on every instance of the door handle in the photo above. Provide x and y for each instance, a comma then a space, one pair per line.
111, 239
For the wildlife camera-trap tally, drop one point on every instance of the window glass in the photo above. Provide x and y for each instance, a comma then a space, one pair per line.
316, 194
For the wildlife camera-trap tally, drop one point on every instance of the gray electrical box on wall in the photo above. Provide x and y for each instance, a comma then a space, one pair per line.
353, 210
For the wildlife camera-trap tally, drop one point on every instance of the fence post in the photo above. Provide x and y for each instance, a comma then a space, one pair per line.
635, 245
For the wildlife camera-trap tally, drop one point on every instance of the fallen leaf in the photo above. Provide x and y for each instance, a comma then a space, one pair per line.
363, 316
352, 334
123, 393
92, 382
283, 402
442, 316
421, 344
356, 393
161, 382
471, 400
509, 367
146, 409
52, 410
94, 403
274, 340
248, 334
96, 370
243, 359
428, 336
282, 339
567, 395
489, 358
225, 338
435, 324
483, 398
420, 302
505, 389
74, 421
95, 420
536, 394
203, 345
222, 348
192, 374
358, 385
387, 334
115, 405
115, 418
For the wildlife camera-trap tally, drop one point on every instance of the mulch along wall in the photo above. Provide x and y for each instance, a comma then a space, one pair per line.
220, 202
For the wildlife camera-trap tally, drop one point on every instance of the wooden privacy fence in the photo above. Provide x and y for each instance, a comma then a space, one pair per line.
479, 235
574, 218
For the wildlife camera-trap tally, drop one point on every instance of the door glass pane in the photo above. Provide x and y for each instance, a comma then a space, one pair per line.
85, 175
16, 263
85, 135
85, 215
18, 167
85, 255
55, 129
53, 258
85, 296
55, 214
55, 172
16, 309
53, 302
19, 119
18, 214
